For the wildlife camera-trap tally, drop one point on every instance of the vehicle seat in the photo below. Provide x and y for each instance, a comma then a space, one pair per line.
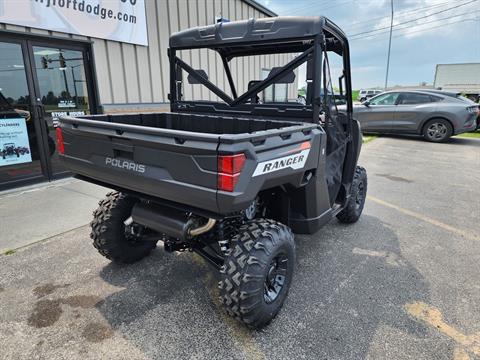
255, 99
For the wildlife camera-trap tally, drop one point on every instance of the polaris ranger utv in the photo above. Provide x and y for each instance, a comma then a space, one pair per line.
9, 149
231, 178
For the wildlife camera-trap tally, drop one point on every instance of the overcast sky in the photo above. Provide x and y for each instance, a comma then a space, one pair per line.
417, 46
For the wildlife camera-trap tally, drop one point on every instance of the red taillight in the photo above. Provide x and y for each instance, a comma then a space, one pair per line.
60, 144
229, 168
227, 182
231, 164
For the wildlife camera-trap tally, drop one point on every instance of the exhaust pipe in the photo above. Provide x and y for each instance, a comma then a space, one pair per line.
166, 220
203, 229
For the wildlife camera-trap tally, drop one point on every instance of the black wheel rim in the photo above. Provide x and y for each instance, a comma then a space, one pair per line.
360, 197
275, 278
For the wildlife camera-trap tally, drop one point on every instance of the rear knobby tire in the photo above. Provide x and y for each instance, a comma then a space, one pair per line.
108, 230
257, 272
358, 193
437, 130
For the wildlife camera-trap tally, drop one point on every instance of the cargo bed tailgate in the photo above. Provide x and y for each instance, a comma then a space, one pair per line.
170, 164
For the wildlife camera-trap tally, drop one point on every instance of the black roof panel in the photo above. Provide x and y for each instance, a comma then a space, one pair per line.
249, 31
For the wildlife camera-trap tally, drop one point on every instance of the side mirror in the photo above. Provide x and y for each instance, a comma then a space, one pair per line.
366, 103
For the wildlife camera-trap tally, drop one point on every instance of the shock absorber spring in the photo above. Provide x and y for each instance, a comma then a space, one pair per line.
222, 242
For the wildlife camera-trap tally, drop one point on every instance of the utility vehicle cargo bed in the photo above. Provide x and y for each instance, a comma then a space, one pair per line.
205, 124
174, 156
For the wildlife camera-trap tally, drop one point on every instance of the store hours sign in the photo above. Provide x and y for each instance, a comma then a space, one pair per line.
14, 145
119, 20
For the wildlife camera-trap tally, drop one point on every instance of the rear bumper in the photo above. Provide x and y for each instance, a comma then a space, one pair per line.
467, 127
465, 123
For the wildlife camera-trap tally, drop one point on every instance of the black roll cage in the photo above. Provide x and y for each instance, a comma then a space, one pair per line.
311, 48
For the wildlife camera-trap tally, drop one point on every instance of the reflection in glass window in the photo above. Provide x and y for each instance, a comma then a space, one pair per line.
411, 98
13, 80
385, 99
61, 78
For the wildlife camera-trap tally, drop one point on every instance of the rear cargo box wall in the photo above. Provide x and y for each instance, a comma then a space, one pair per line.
192, 122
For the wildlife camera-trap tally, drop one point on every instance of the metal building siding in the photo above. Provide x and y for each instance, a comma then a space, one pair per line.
458, 77
135, 74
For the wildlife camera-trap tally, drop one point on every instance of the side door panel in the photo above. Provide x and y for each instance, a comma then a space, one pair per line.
379, 114
409, 118
405, 119
376, 117
412, 110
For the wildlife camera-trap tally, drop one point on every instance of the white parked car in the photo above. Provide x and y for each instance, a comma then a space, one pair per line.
367, 94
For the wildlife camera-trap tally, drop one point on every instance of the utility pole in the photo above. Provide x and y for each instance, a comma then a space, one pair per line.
389, 44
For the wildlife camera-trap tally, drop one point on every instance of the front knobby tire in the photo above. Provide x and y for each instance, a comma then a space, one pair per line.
108, 230
358, 193
258, 271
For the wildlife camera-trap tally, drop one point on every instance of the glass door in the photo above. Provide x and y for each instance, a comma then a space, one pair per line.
61, 87
40, 80
20, 155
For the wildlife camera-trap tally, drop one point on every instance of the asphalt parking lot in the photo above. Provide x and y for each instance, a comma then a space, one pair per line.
402, 283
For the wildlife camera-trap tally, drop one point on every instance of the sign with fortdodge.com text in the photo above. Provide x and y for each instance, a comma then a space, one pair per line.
14, 146
119, 20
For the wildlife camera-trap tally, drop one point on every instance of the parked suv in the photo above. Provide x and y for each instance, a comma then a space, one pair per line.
436, 115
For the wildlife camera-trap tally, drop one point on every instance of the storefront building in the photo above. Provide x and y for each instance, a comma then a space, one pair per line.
79, 57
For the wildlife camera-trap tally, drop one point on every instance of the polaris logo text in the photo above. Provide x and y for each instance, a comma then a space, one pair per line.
125, 164
295, 161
